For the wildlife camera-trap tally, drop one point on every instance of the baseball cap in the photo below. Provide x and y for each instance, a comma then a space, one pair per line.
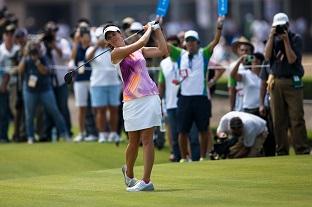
110, 29
20, 32
10, 28
136, 26
191, 33
280, 19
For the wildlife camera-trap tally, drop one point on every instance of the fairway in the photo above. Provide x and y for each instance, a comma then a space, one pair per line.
88, 174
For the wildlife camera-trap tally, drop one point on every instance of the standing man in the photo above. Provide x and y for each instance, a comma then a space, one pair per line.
283, 50
193, 103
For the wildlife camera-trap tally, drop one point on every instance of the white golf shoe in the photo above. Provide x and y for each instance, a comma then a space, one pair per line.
129, 182
141, 186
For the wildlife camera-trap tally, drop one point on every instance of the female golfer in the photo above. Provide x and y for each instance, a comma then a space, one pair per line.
141, 109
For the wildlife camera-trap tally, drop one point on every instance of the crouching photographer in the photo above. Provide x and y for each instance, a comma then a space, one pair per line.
240, 135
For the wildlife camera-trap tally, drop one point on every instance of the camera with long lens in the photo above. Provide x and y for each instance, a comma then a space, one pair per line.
280, 29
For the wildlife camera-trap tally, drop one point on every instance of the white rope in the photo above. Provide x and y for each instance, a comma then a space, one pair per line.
153, 68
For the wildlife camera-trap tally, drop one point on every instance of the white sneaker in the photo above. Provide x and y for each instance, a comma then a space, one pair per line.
90, 138
79, 138
30, 140
129, 182
141, 186
113, 137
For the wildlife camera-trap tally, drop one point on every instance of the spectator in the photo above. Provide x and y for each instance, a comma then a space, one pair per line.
37, 88
248, 131
269, 146
169, 73
250, 81
284, 51
241, 47
82, 42
8, 62
193, 103
19, 133
105, 89
58, 51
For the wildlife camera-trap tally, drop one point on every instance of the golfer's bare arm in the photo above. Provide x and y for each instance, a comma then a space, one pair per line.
120, 53
160, 50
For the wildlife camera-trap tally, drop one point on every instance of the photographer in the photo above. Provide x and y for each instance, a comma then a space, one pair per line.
37, 88
250, 81
58, 52
240, 47
283, 50
248, 132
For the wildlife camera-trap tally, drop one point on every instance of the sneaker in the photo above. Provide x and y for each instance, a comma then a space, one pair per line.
90, 138
201, 159
183, 160
129, 182
103, 137
141, 186
30, 140
113, 137
79, 138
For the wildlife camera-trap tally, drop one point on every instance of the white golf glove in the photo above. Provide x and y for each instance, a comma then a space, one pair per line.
154, 26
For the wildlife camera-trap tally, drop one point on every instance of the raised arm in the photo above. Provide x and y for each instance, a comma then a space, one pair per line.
120, 53
234, 72
218, 32
269, 45
160, 50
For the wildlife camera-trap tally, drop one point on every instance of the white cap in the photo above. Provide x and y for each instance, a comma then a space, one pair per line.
110, 29
136, 26
191, 33
99, 32
280, 19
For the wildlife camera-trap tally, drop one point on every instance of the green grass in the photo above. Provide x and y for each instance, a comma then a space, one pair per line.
88, 174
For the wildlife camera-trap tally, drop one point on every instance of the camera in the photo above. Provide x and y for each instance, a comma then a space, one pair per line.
84, 30
248, 59
280, 29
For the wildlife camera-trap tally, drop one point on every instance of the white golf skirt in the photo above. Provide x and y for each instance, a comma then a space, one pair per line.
142, 113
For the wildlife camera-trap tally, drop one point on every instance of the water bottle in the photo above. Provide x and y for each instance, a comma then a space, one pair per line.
162, 124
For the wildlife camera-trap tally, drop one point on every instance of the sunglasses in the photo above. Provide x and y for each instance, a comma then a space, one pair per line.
190, 39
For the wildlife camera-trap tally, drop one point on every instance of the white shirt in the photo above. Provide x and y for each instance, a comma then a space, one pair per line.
61, 62
195, 83
251, 89
170, 72
253, 126
6, 64
104, 73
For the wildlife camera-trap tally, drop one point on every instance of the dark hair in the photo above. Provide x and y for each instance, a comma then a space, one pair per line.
108, 25
83, 19
236, 122
259, 56
174, 38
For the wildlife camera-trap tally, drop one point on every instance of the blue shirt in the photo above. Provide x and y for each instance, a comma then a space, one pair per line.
43, 81
82, 74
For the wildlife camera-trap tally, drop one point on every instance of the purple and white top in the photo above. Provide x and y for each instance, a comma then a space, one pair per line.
134, 75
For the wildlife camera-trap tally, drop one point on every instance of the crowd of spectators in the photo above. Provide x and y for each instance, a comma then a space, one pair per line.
264, 102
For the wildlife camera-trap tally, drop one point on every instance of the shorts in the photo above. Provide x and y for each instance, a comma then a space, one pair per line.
142, 113
105, 95
81, 92
193, 109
